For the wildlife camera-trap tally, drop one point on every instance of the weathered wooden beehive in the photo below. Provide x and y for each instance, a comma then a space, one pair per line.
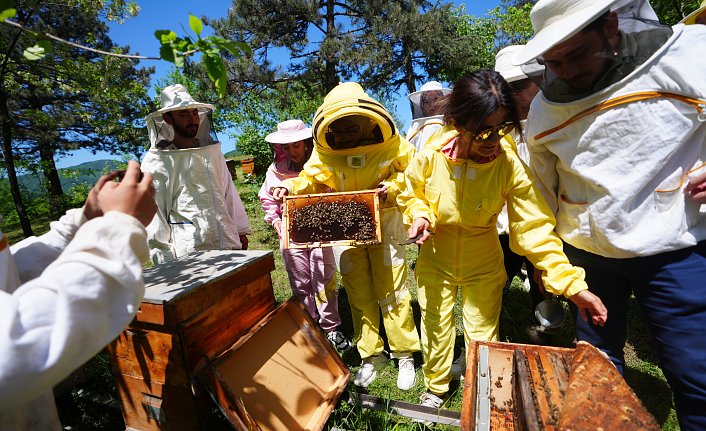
539, 388
211, 318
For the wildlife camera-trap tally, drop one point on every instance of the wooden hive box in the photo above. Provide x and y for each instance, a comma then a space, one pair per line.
293, 203
194, 309
489, 400
540, 388
284, 375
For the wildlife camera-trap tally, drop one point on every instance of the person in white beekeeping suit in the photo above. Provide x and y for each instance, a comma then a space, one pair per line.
427, 116
199, 206
618, 145
66, 294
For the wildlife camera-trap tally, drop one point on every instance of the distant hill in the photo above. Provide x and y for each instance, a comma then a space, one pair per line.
85, 173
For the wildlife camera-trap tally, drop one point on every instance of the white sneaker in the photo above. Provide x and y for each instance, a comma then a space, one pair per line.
427, 399
406, 376
368, 370
458, 368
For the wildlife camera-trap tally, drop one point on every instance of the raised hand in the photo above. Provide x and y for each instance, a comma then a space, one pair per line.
133, 195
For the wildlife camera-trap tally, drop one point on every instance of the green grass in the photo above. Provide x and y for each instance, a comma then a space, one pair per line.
642, 373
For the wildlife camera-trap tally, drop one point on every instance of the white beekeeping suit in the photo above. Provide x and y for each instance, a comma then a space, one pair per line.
426, 115
63, 297
199, 206
568, 140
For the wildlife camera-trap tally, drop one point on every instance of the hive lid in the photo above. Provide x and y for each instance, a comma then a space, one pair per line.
283, 375
167, 281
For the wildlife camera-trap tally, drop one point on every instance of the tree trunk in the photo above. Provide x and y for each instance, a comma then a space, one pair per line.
408, 69
10, 164
330, 75
56, 193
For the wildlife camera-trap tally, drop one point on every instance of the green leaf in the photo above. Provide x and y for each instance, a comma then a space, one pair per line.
7, 9
235, 48
38, 51
7, 13
166, 52
203, 45
216, 70
183, 45
244, 47
178, 60
196, 25
165, 36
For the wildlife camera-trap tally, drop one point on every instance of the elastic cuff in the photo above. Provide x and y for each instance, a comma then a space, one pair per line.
124, 218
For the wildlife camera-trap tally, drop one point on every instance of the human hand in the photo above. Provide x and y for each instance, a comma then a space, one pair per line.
279, 193
92, 209
419, 227
278, 227
381, 191
133, 195
590, 305
243, 242
696, 189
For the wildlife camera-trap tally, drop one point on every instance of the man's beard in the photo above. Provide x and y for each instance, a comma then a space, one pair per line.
187, 132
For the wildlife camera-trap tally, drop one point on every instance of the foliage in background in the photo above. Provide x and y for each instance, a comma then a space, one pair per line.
671, 12
77, 181
382, 44
82, 92
175, 49
504, 25
411, 42
70, 99
256, 114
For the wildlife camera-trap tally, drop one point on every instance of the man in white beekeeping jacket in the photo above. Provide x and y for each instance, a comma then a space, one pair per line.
618, 144
199, 206
68, 293
427, 115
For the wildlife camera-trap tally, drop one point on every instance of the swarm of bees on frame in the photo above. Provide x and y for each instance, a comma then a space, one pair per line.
332, 221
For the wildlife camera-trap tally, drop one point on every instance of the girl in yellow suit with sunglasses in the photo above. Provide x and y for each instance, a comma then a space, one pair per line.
455, 188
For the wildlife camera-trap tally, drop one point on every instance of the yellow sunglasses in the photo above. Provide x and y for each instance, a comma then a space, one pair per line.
501, 130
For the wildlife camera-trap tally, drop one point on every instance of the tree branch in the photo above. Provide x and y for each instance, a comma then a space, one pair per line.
87, 48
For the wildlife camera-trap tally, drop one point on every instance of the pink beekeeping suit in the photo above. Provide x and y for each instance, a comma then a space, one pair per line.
310, 271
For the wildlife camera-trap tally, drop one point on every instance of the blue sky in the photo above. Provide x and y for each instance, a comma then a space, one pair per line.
138, 34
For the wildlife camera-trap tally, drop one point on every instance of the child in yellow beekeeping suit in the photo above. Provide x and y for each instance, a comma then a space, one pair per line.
455, 188
358, 147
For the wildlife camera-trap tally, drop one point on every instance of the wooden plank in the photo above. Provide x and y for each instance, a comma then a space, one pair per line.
214, 329
150, 314
468, 403
526, 416
150, 355
547, 387
251, 287
504, 406
150, 406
